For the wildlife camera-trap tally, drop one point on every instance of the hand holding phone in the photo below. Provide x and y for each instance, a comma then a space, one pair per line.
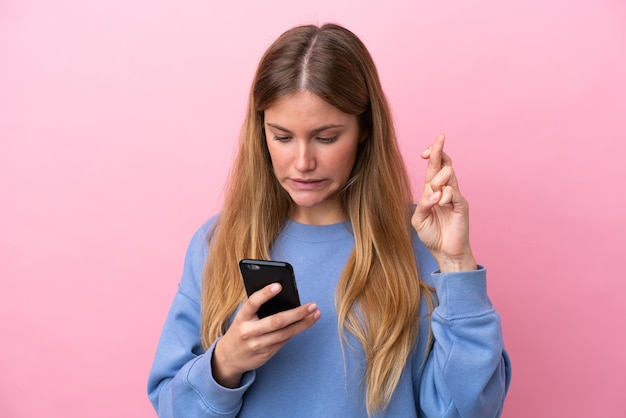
259, 273
249, 343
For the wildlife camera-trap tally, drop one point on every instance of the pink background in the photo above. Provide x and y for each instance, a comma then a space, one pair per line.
117, 127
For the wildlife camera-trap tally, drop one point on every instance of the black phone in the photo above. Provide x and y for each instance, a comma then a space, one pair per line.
259, 273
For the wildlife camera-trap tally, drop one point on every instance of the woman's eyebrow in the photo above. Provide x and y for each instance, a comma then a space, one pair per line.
316, 130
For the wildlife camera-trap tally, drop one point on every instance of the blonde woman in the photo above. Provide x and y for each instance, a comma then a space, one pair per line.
396, 320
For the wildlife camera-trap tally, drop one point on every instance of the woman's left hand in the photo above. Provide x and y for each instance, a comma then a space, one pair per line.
441, 218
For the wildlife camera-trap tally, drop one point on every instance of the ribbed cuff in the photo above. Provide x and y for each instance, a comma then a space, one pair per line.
462, 294
217, 397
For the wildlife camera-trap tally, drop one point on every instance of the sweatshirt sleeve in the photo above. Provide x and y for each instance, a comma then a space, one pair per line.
181, 382
467, 373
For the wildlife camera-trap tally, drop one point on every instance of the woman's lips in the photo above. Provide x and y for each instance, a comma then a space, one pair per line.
304, 184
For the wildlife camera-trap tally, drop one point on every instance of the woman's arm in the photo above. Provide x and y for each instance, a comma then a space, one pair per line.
468, 372
187, 382
180, 382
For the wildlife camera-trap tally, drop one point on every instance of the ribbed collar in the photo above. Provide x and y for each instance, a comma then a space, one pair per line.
317, 233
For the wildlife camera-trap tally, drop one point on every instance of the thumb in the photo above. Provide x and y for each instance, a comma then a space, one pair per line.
259, 297
424, 207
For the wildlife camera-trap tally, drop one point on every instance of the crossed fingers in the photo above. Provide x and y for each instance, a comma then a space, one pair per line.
440, 182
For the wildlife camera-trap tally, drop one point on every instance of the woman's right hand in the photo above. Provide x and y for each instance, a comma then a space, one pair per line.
250, 342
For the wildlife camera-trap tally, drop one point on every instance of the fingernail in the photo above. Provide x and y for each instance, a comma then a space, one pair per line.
275, 288
312, 307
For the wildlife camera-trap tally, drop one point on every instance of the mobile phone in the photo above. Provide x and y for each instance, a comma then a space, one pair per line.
259, 273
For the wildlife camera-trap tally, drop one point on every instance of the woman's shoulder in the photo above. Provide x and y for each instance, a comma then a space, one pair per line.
198, 247
202, 233
195, 257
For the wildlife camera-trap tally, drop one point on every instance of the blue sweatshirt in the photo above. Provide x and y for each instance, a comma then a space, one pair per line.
465, 373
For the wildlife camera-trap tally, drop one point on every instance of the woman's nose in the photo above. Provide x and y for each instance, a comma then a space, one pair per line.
305, 158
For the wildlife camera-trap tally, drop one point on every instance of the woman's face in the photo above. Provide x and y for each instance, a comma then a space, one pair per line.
313, 147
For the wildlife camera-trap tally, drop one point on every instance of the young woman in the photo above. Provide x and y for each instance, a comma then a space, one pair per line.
407, 328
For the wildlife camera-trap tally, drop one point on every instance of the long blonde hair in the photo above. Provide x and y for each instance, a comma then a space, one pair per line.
378, 295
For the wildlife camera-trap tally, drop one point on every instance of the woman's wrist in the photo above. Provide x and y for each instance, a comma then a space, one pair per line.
220, 372
455, 265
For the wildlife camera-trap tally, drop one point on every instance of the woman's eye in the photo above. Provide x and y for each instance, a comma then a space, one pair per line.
326, 140
281, 138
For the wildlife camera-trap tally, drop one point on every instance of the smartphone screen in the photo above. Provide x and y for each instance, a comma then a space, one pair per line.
259, 273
